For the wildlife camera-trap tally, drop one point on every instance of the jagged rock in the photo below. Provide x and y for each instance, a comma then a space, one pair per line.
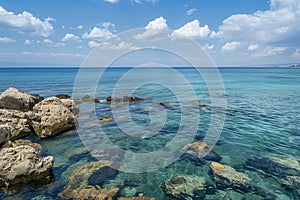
105, 119
276, 164
140, 197
186, 187
21, 163
226, 176
37, 147
63, 96
15, 99
199, 152
14, 124
5, 133
38, 97
78, 187
71, 105
87, 98
51, 117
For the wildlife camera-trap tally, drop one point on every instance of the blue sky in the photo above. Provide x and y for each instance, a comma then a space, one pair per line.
233, 32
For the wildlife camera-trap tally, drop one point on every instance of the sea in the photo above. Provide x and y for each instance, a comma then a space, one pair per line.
259, 116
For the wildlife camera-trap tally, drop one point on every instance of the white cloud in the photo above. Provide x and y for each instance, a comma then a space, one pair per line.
120, 46
50, 43
100, 33
70, 37
253, 47
93, 44
296, 54
278, 24
6, 40
27, 42
208, 47
191, 11
45, 54
193, 30
80, 27
112, 1
154, 27
270, 51
26, 23
230, 46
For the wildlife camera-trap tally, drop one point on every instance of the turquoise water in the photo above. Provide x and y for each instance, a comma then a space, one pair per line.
262, 118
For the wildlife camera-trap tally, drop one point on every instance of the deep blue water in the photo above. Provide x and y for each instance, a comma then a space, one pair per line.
262, 118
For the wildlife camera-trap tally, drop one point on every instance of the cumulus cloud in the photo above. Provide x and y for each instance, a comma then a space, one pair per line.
230, 46
70, 37
27, 42
270, 51
193, 30
80, 27
100, 33
278, 24
6, 40
26, 23
208, 47
191, 11
253, 47
93, 44
112, 1
154, 27
296, 54
50, 43
121, 46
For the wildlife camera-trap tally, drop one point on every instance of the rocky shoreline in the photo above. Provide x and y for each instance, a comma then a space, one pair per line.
23, 114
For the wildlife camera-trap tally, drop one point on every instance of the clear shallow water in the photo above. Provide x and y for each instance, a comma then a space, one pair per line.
262, 117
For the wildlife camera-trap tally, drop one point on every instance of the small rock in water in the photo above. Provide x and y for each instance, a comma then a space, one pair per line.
186, 187
63, 96
226, 176
199, 152
105, 119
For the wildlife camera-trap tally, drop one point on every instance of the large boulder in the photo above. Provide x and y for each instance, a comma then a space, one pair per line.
199, 152
78, 187
20, 162
14, 124
186, 187
226, 176
50, 117
71, 105
15, 99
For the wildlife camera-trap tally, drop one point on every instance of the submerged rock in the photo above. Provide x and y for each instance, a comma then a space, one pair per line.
292, 182
20, 163
200, 151
78, 187
51, 117
15, 99
14, 124
105, 119
140, 197
186, 187
99, 177
276, 164
226, 176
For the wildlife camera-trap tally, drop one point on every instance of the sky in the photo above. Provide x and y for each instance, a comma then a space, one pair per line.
233, 32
